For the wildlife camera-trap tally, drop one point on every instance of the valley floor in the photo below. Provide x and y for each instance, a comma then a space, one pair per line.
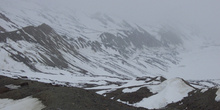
14, 93
199, 64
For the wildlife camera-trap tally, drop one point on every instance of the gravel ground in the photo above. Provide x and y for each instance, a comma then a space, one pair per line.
58, 97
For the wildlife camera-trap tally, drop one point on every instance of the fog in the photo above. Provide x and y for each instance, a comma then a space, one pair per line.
204, 15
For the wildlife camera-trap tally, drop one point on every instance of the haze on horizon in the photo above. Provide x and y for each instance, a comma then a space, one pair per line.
203, 15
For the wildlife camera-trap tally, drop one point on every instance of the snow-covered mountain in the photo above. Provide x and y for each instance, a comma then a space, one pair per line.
93, 51
99, 45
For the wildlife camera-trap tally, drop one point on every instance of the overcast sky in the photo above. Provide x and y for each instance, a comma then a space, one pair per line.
203, 14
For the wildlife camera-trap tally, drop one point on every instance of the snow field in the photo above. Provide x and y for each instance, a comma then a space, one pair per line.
169, 91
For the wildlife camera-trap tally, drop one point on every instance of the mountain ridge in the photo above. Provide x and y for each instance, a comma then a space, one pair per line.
97, 52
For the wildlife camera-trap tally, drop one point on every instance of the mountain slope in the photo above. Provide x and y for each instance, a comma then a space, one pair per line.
97, 52
40, 49
31, 45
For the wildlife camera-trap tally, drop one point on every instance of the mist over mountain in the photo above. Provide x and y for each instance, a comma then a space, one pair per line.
133, 52
200, 14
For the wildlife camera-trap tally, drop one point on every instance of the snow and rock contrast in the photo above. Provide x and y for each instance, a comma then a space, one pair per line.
133, 63
29, 102
217, 98
33, 95
169, 91
108, 50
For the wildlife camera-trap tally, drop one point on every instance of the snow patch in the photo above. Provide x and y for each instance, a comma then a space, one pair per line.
129, 90
18, 32
12, 86
217, 98
169, 91
204, 90
27, 103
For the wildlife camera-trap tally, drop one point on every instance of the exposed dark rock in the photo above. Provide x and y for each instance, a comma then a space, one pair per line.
150, 79
3, 17
197, 101
132, 97
138, 39
24, 84
24, 77
162, 79
4, 89
62, 98
2, 30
